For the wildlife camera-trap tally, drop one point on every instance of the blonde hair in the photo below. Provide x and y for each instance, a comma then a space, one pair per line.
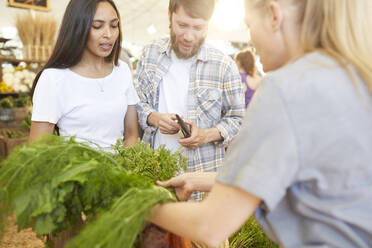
339, 28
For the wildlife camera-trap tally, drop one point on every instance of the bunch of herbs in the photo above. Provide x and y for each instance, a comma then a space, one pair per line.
250, 235
50, 183
141, 159
119, 227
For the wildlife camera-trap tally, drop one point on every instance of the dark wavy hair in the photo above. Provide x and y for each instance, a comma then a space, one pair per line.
73, 36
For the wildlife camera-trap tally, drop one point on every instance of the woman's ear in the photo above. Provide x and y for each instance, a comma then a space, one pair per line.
276, 15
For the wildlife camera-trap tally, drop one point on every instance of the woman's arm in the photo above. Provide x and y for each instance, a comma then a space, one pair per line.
211, 221
131, 126
187, 183
40, 128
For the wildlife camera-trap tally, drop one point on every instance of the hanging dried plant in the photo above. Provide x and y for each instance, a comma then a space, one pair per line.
37, 34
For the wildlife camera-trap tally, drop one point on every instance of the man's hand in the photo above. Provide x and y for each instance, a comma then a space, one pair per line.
197, 137
187, 183
166, 123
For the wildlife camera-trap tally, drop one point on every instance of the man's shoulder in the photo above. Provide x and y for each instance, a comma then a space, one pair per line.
156, 46
213, 50
215, 54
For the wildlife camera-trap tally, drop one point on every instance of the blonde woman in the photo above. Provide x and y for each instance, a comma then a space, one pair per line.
305, 169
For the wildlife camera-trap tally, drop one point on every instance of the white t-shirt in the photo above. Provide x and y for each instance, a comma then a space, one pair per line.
173, 98
92, 110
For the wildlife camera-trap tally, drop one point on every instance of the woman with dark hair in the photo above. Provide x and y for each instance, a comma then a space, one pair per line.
84, 89
246, 62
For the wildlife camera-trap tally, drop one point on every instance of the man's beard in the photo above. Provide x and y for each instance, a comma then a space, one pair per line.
184, 55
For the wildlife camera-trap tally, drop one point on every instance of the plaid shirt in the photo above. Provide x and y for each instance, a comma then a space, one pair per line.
215, 98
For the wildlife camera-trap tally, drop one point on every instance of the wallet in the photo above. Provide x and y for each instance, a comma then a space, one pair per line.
184, 127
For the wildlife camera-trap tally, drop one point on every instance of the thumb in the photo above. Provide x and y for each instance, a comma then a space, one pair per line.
163, 184
173, 182
173, 117
190, 122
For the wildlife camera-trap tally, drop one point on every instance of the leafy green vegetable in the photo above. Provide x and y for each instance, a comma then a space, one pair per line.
43, 181
120, 226
13, 134
6, 102
151, 164
26, 124
50, 183
21, 101
251, 236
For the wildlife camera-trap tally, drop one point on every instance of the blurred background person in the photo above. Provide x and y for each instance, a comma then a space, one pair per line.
246, 62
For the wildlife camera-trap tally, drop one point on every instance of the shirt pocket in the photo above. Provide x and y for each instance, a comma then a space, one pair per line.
208, 106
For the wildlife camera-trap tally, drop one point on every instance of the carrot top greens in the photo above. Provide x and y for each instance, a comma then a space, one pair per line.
48, 184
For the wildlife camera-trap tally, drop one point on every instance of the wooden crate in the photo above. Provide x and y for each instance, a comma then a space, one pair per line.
19, 116
8, 144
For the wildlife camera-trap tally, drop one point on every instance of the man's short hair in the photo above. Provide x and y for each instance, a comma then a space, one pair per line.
194, 8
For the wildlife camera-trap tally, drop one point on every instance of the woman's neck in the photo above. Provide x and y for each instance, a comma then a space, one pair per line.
293, 46
93, 66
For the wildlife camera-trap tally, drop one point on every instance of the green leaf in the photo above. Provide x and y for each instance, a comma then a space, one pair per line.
44, 224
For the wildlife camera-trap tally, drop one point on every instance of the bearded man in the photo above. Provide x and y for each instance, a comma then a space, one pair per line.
185, 76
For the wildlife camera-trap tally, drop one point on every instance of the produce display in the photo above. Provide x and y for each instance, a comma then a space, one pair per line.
22, 100
5, 88
49, 184
17, 79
